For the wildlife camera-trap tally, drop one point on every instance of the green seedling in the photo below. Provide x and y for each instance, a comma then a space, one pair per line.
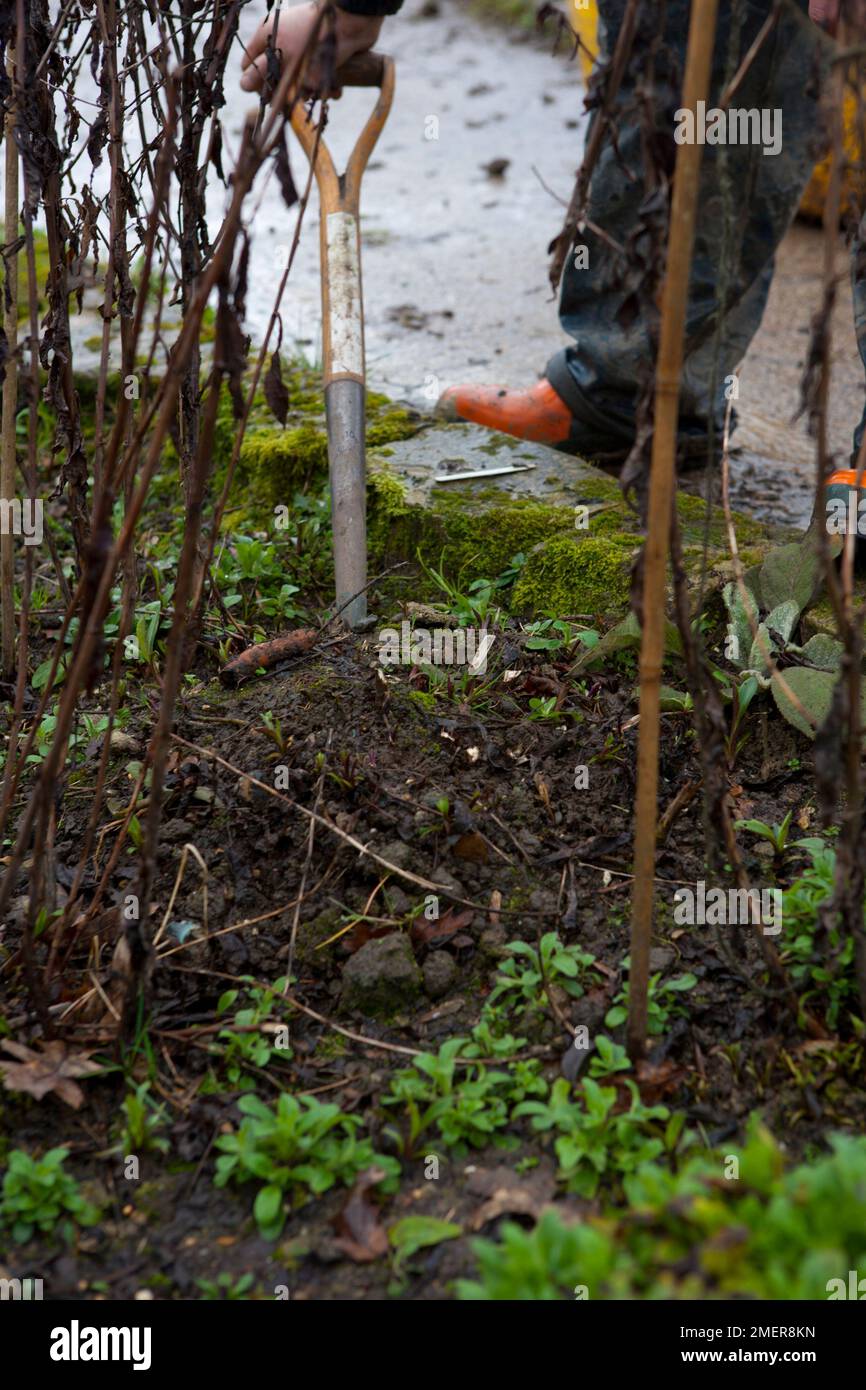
466, 1106
521, 979
414, 1233
225, 1288
742, 695
820, 954
475, 607
592, 1142
39, 1195
609, 1057
555, 634
543, 707
776, 834
249, 1043
662, 1001
299, 1148
143, 1120
274, 730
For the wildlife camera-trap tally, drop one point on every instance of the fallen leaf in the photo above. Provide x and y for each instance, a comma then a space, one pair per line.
52, 1069
506, 1194
424, 933
543, 793
655, 1081
359, 1232
471, 846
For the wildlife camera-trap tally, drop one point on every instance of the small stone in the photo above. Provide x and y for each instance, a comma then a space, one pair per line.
382, 977
542, 900
398, 853
174, 830
444, 879
439, 974
491, 943
660, 958
121, 742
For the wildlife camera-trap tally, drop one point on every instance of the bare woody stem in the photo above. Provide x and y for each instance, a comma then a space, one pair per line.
702, 29
10, 391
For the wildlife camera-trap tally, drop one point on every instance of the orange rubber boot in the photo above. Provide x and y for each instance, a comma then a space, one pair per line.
538, 414
845, 510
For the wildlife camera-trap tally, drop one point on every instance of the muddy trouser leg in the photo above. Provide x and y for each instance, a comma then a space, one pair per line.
747, 202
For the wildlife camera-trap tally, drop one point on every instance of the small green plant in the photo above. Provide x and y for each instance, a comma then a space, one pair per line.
474, 608
553, 1261
543, 707
552, 634
521, 979
770, 1234
39, 1195
274, 730
143, 1120
414, 1233
609, 1057
662, 1002
776, 834
225, 1287
743, 693
593, 1142
250, 575
820, 956
466, 1107
298, 1148
247, 1046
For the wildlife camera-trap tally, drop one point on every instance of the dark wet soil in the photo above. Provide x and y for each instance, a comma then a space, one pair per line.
518, 840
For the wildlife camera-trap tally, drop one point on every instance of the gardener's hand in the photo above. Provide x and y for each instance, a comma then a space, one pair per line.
355, 34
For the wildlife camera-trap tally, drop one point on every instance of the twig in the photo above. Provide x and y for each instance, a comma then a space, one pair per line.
10, 388
702, 30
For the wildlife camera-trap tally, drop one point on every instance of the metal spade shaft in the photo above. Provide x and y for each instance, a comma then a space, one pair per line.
344, 370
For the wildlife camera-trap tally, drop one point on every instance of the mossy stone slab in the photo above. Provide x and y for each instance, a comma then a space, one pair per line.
566, 516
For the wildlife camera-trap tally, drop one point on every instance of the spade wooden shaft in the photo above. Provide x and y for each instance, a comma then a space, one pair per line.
343, 364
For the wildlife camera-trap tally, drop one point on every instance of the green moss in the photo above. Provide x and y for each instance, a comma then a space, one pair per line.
520, 12
276, 462
601, 489
820, 618
565, 570
692, 513
475, 535
478, 538
386, 424
589, 575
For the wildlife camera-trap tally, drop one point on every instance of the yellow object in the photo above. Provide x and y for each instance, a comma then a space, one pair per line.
584, 21
812, 202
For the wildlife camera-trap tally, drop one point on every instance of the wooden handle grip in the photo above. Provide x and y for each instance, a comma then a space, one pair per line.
364, 70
